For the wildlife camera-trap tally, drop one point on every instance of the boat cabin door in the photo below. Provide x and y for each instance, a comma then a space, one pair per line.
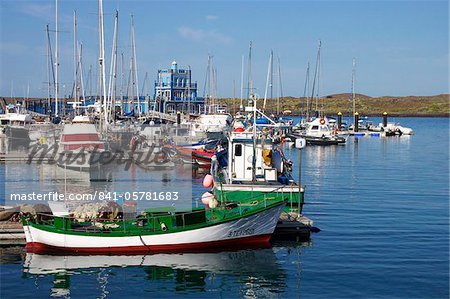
238, 161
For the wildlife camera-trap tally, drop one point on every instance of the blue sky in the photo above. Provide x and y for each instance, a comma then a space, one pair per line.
401, 47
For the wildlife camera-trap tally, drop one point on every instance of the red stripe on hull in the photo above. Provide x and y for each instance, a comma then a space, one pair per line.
241, 243
80, 137
73, 147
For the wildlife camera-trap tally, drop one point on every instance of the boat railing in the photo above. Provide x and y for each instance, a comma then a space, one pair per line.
151, 222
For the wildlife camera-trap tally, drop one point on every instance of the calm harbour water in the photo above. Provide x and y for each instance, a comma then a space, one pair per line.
382, 205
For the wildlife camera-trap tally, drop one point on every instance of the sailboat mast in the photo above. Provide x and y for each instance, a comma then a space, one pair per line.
122, 74
306, 92
254, 141
49, 68
211, 83
75, 58
80, 62
113, 70
281, 87
134, 65
316, 78
207, 87
241, 107
249, 79
102, 64
268, 79
214, 87
353, 87
56, 58
318, 82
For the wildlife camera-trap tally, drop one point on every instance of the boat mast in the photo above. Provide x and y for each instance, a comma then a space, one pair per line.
75, 58
316, 78
318, 85
268, 79
144, 84
214, 88
207, 88
122, 75
113, 71
90, 80
80, 62
249, 75
254, 140
134, 66
102, 65
353, 87
281, 87
48, 72
306, 92
234, 96
50, 68
56, 58
241, 107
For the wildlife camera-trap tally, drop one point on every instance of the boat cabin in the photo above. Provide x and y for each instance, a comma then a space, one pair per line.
319, 127
269, 161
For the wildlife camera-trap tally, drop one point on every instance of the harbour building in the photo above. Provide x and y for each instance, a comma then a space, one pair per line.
175, 91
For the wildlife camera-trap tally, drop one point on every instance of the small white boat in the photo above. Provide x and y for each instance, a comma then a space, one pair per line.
213, 123
320, 132
16, 126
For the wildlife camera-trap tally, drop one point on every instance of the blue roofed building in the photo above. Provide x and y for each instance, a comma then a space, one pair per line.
175, 91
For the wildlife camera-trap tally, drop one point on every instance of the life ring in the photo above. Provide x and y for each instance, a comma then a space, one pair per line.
322, 121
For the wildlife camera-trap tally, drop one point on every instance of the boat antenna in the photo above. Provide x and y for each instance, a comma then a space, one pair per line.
254, 139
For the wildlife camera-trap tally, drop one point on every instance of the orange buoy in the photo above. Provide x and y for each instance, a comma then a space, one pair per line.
239, 130
322, 121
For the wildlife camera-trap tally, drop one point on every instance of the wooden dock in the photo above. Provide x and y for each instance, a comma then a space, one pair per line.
11, 233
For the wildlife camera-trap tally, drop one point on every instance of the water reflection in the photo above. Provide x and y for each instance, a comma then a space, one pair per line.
253, 273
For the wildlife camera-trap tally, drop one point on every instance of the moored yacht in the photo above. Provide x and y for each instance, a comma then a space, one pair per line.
80, 147
319, 132
15, 125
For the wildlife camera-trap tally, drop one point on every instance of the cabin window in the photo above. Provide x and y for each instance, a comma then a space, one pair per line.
315, 128
238, 150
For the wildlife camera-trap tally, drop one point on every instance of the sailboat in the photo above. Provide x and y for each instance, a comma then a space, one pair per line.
319, 132
80, 146
215, 119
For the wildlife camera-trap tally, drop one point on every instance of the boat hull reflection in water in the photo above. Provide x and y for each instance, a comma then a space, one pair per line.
254, 272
